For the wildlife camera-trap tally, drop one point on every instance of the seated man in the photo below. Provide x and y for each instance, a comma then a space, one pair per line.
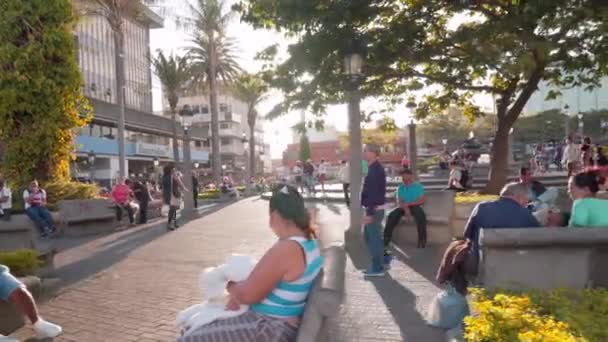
410, 198
458, 177
509, 211
540, 196
35, 209
121, 196
552, 217
15, 292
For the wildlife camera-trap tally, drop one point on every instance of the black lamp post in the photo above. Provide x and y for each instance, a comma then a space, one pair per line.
354, 59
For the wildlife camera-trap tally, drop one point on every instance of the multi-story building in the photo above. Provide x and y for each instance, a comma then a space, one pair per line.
147, 136
233, 129
577, 99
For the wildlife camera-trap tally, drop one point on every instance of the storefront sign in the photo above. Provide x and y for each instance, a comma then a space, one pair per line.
152, 150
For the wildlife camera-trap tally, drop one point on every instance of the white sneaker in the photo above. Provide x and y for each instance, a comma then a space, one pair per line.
46, 329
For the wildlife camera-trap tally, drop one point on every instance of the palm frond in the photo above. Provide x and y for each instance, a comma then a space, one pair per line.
227, 61
174, 72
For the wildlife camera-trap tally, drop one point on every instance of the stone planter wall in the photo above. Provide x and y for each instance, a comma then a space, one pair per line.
462, 211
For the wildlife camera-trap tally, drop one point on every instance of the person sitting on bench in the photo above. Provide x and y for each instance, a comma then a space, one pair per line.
410, 198
459, 177
15, 292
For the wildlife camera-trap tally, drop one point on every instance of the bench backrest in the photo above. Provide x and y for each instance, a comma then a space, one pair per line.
74, 210
439, 206
544, 258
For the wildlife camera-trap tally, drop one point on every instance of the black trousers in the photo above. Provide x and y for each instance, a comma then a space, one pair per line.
130, 212
143, 212
395, 216
346, 189
172, 214
195, 194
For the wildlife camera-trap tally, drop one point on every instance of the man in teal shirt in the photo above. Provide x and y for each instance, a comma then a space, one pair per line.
410, 198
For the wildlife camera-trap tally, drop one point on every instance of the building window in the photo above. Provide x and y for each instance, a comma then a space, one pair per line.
206, 143
197, 143
204, 109
223, 107
225, 141
196, 109
224, 126
228, 116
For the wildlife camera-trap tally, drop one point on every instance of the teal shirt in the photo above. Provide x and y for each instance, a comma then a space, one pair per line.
364, 167
410, 193
589, 212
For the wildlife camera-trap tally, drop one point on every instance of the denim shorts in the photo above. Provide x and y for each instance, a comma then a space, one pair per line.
8, 283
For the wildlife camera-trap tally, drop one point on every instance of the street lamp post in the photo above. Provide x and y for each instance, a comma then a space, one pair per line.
247, 167
353, 70
91, 158
511, 157
188, 212
445, 144
580, 125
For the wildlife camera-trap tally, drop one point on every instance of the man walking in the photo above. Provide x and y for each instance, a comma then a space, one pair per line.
410, 198
195, 186
571, 156
345, 179
373, 198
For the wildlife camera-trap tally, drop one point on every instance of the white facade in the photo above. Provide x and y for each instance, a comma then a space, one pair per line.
577, 99
96, 49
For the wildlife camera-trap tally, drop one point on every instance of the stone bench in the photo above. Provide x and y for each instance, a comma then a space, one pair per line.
84, 217
544, 258
20, 233
327, 294
12, 320
439, 208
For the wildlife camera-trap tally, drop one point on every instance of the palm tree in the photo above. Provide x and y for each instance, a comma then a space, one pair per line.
250, 89
174, 73
212, 56
115, 13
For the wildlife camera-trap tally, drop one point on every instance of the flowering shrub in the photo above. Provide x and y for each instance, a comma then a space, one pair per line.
556, 316
473, 197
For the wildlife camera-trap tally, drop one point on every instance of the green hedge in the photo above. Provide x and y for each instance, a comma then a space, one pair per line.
21, 262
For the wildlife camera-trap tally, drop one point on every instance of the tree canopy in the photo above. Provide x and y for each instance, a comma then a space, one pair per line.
40, 88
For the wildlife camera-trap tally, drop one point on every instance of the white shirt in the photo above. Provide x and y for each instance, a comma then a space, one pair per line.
455, 177
322, 168
344, 174
6, 192
297, 171
572, 153
26, 194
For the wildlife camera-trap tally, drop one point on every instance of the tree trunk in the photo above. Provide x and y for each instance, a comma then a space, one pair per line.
215, 128
120, 96
175, 146
356, 170
499, 162
251, 167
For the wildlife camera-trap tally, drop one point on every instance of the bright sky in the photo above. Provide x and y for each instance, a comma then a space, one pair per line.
278, 132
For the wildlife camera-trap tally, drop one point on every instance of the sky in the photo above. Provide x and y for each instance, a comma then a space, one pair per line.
278, 133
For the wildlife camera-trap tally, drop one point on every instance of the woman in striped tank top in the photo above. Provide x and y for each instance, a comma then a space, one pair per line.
278, 287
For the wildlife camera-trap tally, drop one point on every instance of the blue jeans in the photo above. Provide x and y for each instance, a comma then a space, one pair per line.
42, 218
373, 238
8, 283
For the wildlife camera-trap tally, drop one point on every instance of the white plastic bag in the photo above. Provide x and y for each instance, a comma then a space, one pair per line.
448, 309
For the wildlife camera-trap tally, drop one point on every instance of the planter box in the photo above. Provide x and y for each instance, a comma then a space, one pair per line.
462, 211
87, 217
12, 320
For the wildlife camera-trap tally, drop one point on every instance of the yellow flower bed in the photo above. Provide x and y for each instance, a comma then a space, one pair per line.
556, 316
473, 197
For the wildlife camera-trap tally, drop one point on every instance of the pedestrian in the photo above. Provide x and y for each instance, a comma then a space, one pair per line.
410, 198
35, 208
277, 289
322, 174
6, 200
587, 153
458, 177
345, 179
298, 176
373, 199
571, 156
309, 179
15, 292
177, 190
121, 196
587, 209
141, 190
600, 157
405, 162
195, 186
167, 188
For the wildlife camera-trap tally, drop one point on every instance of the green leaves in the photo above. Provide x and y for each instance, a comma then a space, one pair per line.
173, 72
41, 100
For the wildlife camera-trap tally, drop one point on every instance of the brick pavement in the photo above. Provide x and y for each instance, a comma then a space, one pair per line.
389, 308
144, 276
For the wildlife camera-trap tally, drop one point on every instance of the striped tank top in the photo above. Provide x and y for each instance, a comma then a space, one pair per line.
289, 298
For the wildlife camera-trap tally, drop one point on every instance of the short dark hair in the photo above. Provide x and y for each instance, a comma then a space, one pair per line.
523, 170
589, 179
406, 171
565, 218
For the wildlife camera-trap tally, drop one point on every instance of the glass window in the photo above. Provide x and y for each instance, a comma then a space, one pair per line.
225, 141
223, 107
197, 143
224, 125
206, 143
204, 109
228, 116
196, 109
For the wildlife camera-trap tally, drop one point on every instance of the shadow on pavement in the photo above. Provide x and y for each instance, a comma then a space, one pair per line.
425, 261
334, 208
398, 299
110, 252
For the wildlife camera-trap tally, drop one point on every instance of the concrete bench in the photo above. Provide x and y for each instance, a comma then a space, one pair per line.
327, 294
439, 209
544, 258
12, 320
83, 217
20, 233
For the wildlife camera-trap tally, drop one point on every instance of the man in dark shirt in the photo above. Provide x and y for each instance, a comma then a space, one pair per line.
373, 198
509, 211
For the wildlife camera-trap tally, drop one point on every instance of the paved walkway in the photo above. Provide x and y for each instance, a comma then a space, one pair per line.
128, 286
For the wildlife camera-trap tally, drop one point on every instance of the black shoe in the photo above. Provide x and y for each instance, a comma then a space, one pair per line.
169, 227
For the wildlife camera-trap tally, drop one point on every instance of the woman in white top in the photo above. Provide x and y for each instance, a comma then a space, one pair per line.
5, 201
345, 179
322, 174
